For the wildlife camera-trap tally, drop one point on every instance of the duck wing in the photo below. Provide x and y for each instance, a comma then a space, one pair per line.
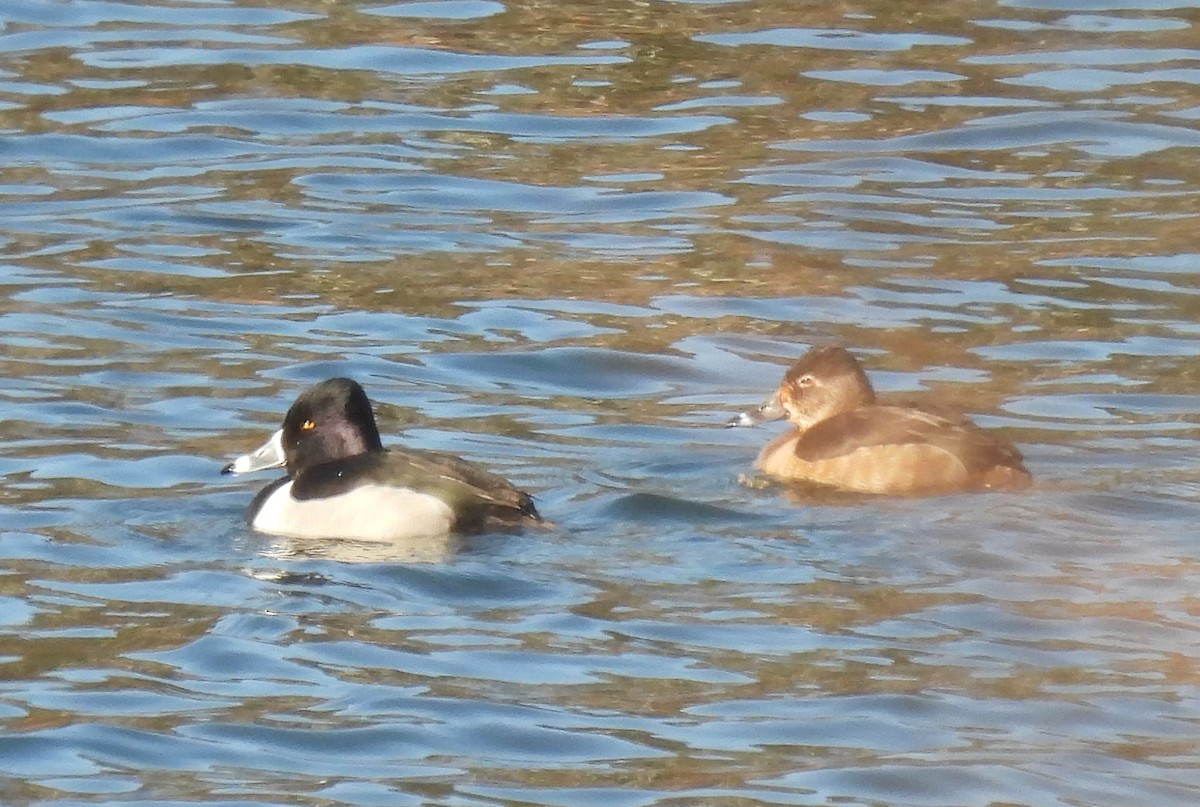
897, 427
480, 498
466, 482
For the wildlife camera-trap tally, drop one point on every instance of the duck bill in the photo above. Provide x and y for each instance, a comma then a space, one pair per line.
268, 455
771, 409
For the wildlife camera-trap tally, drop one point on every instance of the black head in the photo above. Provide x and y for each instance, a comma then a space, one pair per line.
329, 421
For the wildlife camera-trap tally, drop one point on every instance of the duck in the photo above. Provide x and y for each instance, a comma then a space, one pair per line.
341, 483
843, 438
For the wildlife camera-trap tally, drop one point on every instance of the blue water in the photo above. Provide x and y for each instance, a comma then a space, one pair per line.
568, 241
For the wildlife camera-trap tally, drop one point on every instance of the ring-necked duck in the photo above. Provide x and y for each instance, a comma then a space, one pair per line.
844, 439
342, 483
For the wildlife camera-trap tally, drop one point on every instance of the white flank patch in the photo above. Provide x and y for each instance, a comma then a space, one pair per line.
367, 513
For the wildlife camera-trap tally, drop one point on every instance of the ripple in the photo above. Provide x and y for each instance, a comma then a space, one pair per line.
404, 61
567, 242
441, 9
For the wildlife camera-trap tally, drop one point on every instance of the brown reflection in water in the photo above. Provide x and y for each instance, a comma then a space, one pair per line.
665, 60
119, 629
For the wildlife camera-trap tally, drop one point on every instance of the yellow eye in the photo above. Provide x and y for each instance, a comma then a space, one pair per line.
307, 426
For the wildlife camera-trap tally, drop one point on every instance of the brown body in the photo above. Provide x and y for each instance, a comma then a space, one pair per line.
845, 439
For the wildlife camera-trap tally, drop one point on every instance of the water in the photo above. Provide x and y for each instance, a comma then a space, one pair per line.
568, 241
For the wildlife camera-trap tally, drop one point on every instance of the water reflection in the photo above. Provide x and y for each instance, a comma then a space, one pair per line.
565, 241
424, 550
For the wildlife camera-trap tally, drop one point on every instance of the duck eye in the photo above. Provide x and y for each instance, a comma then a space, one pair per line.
805, 381
307, 426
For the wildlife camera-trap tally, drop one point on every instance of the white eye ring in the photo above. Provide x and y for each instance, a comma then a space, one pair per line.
805, 381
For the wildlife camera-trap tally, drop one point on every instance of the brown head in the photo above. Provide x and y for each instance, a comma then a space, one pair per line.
822, 383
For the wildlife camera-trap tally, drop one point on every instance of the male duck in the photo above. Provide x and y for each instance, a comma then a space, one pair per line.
342, 483
846, 440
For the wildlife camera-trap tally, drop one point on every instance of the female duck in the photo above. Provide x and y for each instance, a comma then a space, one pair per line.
844, 439
342, 483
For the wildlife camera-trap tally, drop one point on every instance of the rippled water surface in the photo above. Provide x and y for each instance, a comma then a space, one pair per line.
568, 240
